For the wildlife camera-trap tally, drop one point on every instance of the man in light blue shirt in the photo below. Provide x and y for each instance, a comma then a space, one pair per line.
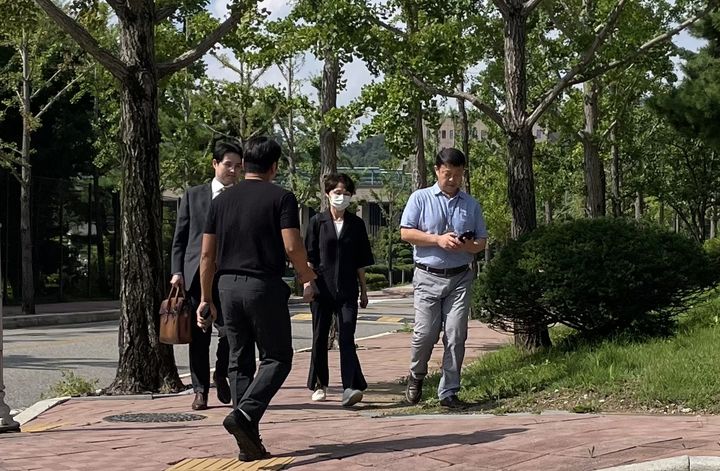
446, 228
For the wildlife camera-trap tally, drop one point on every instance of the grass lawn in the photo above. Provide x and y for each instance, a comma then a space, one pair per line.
676, 375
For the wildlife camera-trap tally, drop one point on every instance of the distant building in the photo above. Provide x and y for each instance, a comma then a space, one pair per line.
448, 133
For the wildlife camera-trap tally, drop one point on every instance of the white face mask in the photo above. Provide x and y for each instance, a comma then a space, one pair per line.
339, 201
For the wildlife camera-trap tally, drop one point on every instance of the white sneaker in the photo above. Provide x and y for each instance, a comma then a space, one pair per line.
319, 394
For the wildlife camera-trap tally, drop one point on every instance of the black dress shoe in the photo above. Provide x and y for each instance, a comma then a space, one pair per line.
413, 392
200, 402
242, 456
223, 388
453, 402
246, 435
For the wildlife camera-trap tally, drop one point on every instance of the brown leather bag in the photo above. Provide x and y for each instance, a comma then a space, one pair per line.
176, 318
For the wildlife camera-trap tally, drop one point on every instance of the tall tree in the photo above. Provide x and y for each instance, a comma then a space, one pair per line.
328, 103
144, 364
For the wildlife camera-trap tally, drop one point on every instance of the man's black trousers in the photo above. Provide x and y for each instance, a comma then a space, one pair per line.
255, 311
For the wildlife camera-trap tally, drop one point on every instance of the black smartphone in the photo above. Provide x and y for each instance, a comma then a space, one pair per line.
467, 235
205, 314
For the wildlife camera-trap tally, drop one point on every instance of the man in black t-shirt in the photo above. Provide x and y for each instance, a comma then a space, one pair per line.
249, 230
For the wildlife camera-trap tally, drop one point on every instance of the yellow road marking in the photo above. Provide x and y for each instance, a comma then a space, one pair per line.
306, 316
223, 464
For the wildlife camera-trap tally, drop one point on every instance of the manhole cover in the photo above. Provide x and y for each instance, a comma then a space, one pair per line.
148, 417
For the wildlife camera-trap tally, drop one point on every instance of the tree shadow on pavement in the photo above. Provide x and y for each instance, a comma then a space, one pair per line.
337, 451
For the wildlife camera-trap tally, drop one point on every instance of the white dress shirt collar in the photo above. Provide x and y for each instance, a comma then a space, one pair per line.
217, 187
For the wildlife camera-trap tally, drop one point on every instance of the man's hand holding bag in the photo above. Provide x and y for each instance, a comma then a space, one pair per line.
175, 318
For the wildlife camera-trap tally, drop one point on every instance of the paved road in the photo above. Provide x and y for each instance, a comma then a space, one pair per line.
34, 357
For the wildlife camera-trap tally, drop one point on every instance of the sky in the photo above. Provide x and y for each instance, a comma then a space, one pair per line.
355, 73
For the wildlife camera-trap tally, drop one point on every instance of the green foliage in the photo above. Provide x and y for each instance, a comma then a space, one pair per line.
376, 281
72, 385
366, 153
693, 107
680, 171
600, 276
712, 248
488, 182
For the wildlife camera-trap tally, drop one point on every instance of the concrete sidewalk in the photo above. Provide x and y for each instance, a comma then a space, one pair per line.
79, 312
318, 436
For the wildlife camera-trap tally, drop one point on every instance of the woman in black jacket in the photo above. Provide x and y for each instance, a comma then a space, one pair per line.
338, 250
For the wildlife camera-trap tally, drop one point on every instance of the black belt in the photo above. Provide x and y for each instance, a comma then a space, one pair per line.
443, 271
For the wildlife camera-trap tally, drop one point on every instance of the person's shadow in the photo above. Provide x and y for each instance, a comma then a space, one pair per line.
337, 451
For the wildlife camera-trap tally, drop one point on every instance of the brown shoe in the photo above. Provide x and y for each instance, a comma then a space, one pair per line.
200, 402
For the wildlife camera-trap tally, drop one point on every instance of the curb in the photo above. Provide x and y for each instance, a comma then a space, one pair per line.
40, 320
678, 463
38, 408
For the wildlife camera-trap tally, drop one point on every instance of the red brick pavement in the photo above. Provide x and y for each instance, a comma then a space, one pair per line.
324, 436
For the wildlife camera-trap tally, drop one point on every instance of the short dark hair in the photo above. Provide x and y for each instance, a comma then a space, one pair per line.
450, 156
225, 147
261, 153
333, 179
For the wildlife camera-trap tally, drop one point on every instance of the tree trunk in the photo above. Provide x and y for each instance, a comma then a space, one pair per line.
144, 364
661, 214
465, 138
520, 146
328, 139
616, 174
419, 166
713, 222
702, 217
638, 205
594, 172
521, 182
292, 167
548, 211
410, 11
26, 239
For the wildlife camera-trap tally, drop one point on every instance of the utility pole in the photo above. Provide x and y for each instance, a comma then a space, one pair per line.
7, 424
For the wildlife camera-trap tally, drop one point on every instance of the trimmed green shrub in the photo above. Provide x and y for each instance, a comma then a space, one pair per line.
376, 281
599, 276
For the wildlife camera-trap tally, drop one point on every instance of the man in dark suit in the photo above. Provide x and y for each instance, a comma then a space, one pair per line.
194, 207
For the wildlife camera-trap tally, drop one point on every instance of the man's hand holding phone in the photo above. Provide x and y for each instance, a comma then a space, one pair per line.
206, 315
310, 291
449, 241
